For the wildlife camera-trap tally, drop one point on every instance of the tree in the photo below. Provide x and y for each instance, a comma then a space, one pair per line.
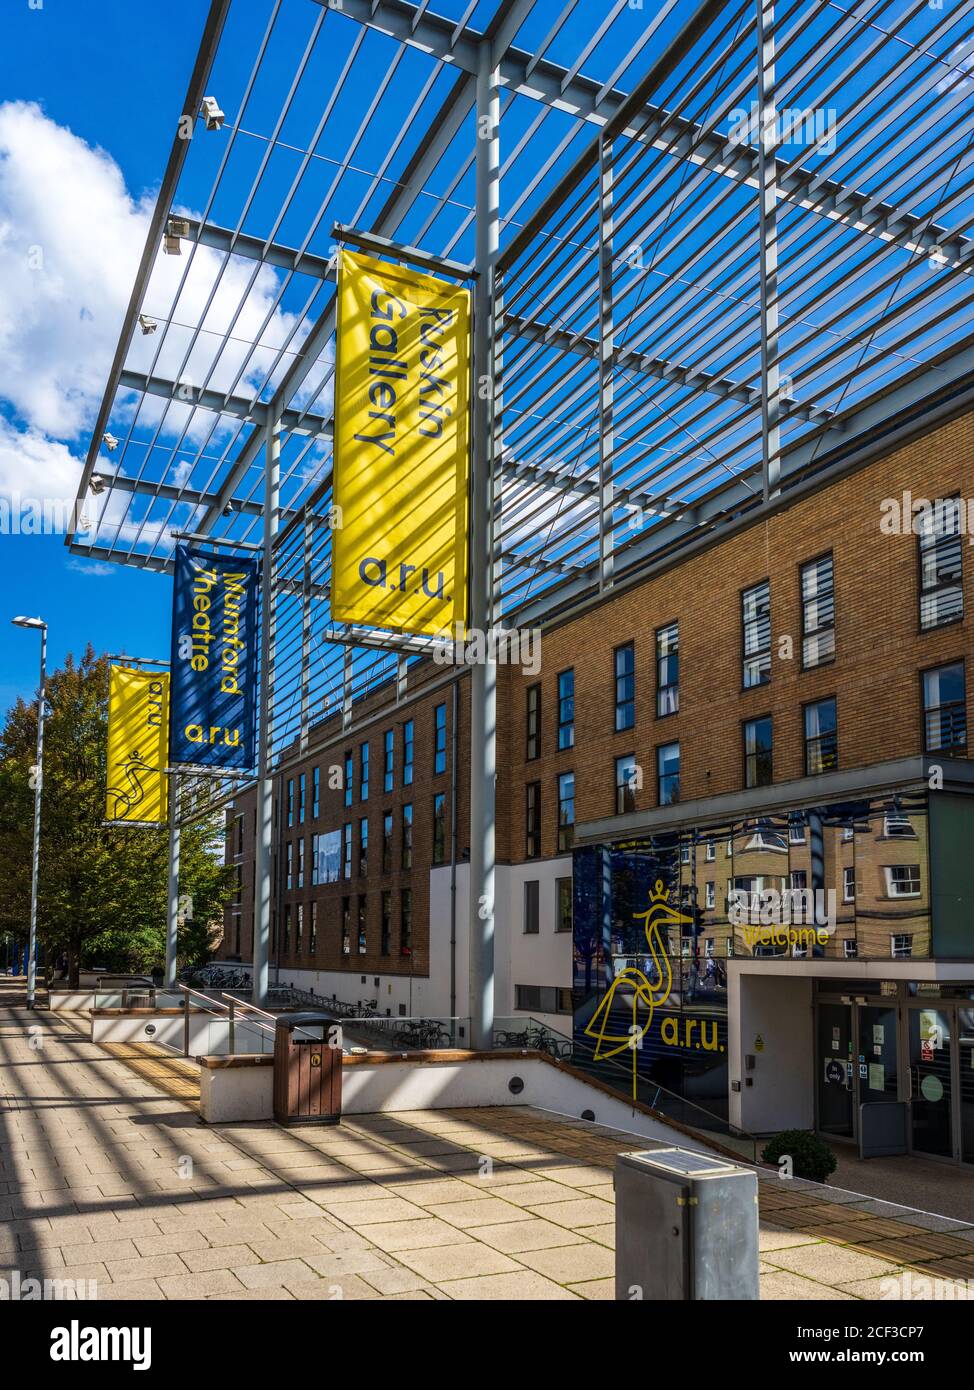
102, 889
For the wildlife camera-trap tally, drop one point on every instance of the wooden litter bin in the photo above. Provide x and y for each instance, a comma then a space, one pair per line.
307, 1069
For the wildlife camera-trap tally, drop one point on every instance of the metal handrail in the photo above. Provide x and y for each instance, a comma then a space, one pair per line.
234, 1005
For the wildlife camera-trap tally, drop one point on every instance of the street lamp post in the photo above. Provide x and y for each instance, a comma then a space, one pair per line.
40, 626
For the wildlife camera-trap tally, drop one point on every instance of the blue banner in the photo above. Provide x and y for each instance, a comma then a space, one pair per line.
214, 660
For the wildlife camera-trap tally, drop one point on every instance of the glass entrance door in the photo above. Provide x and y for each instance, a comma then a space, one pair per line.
965, 1051
876, 1064
834, 1065
931, 1082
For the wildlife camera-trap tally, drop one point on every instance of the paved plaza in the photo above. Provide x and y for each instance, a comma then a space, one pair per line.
107, 1174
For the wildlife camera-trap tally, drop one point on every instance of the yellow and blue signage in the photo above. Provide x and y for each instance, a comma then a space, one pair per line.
138, 721
214, 660
399, 546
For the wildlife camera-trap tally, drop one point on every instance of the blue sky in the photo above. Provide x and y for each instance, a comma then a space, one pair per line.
113, 81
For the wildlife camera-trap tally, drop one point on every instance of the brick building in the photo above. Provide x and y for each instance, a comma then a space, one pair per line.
783, 706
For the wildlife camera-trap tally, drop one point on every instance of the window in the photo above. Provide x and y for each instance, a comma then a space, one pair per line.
543, 999
563, 921
347, 855
941, 568
299, 930
625, 784
301, 799
758, 760
439, 828
566, 811
439, 739
668, 669
901, 946
406, 922
363, 772
532, 897
711, 893
236, 933
315, 792
849, 884
289, 860
349, 779
532, 820
286, 943
796, 829
625, 675
821, 738
360, 914
346, 926
387, 842
326, 856
850, 947
363, 847
566, 710
532, 747
407, 835
944, 709
239, 834
798, 880
407, 753
385, 938
710, 853
902, 880
313, 931
668, 774
896, 826
818, 612
301, 862
388, 760
290, 802
756, 625
238, 885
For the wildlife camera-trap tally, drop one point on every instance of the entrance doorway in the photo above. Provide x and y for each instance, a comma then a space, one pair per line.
941, 1050
856, 1062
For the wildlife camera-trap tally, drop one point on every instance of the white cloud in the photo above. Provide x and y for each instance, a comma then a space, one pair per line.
71, 236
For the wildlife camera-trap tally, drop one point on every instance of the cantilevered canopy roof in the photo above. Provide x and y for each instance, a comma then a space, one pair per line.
688, 318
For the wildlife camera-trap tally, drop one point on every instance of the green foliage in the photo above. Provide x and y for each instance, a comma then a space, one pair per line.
102, 889
811, 1157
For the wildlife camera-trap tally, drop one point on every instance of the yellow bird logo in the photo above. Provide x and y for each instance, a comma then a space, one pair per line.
633, 982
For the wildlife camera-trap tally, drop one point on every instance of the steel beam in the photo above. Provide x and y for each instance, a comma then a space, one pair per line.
251, 412
483, 677
265, 786
255, 248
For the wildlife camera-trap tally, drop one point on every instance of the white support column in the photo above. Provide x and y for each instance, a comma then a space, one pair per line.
606, 364
172, 901
483, 678
306, 633
265, 785
768, 251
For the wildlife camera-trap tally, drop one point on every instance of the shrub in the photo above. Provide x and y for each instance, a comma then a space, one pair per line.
811, 1157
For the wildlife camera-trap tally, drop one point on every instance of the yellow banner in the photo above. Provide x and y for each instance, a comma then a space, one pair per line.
401, 449
138, 740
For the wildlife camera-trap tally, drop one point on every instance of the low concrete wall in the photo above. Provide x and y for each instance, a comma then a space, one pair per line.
82, 1000
232, 1092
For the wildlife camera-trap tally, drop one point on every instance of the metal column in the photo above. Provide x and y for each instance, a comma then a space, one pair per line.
265, 785
768, 250
606, 364
172, 901
36, 856
483, 678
